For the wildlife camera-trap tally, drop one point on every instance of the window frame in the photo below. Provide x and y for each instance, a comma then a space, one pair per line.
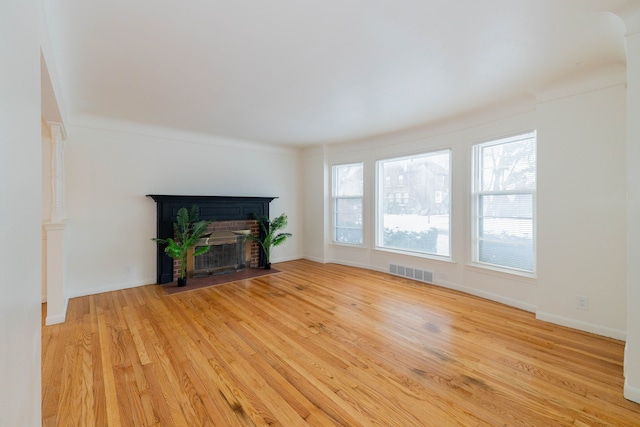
380, 181
334, 204
477, 193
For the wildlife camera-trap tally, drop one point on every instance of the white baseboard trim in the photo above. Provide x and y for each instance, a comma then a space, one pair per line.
314, 259
487, 295
582, 326
56, 318
110, 288
285, 259
631, 393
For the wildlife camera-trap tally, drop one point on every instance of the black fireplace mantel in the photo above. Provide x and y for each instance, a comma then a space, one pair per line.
216, 208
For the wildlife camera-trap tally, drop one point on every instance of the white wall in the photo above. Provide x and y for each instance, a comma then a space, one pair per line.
581, 235
111, 167
581, 210
632, 350
20, 214
315, 202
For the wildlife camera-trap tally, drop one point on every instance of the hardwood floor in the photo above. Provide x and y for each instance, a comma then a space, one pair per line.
323, 345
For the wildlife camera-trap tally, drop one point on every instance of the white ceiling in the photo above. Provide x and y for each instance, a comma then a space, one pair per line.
306, 72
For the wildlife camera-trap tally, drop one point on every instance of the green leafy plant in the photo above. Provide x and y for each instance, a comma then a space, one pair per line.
271, 238
187, 230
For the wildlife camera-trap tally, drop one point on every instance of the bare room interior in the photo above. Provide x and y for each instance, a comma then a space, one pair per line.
458, 183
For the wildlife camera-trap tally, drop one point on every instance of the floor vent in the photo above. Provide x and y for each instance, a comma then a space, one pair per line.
411, 273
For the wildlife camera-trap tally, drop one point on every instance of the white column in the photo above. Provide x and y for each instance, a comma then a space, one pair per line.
55, 230
58, 206
56, 293
632, 349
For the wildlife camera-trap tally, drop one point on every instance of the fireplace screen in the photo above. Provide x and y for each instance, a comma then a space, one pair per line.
227, 253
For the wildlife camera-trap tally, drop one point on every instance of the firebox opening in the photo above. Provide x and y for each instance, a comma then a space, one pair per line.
227, 253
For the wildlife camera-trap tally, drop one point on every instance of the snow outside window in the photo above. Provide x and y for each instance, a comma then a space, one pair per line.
418, 218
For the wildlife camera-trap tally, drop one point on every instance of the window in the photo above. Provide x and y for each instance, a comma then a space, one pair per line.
417, 220
347, 203
504, 186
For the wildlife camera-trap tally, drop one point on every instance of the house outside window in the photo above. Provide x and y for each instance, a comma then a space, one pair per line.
348, 186
504, 199
417, 220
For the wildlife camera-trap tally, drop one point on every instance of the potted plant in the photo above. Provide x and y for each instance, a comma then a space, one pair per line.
270, 236
187, 230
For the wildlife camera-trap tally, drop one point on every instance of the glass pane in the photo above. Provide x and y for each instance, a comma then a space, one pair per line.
348, 221
348, 180
494, 228
505, 231
507, 252
348, 190
509, 165
349, 205
416, 203
505, 222
349, 235
507, 205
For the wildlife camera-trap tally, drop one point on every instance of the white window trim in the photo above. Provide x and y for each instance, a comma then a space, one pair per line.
334, 198
475, 193
379, 203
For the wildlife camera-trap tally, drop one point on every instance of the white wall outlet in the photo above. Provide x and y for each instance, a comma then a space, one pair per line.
582, 302
128, 269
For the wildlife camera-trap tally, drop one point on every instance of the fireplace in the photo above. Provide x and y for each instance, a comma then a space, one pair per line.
226, 254
228, 213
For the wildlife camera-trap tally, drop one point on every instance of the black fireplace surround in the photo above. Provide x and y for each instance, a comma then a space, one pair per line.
217, 208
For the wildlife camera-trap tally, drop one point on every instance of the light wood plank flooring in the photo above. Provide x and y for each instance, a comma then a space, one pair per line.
323, 345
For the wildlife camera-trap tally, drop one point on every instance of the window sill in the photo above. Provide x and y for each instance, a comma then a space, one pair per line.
348, 245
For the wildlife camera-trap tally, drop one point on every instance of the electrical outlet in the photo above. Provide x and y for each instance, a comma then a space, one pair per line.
128, 269
582, 302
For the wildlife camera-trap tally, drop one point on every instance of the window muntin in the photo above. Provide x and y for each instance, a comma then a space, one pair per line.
504, 203
348, 186
413, 209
